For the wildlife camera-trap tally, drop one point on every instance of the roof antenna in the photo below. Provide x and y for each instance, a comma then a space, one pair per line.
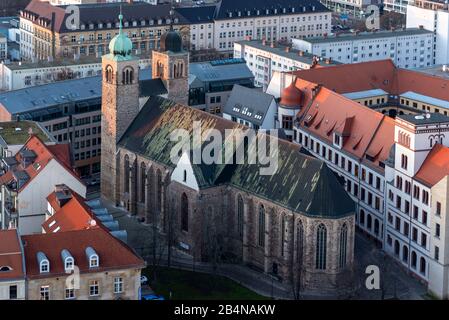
172, 14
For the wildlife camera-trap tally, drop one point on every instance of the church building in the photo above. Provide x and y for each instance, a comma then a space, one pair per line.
296, 224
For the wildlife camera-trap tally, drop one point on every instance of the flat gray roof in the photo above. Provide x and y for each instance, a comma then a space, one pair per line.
368, 35
207, 72
280, 50
40, 97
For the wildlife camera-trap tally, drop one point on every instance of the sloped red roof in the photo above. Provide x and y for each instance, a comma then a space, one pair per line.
381, 74
74, 215
113, 253
435, 167
11, 255
365, 130
44, 154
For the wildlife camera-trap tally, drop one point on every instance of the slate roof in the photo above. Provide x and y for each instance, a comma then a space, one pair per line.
256, 101
430, 118
103, 13
207, 72
300, 6
152, 87
302, 184
203, 14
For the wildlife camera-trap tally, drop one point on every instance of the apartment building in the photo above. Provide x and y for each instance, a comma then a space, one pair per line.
74, 265
69, 110
3, 48
27, 179
416, 198
47, 32
350, 7
264, 58
12, 266
435, 20
232, 20
396, 170
379, 85
15, 76
211, 83
408, 48
14, 134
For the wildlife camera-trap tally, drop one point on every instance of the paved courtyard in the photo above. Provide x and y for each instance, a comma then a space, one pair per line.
397, 283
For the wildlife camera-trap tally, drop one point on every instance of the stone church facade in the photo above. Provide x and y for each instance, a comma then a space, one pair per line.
297, 224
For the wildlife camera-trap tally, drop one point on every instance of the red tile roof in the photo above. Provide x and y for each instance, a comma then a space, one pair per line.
365, 131
44, 154
113, 253
11, 255
74, 215
382, 74
435, 167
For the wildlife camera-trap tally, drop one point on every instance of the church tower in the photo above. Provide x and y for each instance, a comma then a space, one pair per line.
171, 65
119, 106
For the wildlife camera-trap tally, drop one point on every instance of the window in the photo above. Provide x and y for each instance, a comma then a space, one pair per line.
405, 254
261, 233
126, 176
69, 264
438, 209
404, 161
300, 247
45, 266
343, 246
415, 234
321, 239
184, 213
143, 180
437, 230
118, 285
414, 260
69, 293
437, 253
240, 217
94, 286
422, 266
424, 217
45, 292
93, 261
287, 122
423, 240
13, 292
425, 197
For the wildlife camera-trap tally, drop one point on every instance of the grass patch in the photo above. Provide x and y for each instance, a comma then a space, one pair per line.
188, 285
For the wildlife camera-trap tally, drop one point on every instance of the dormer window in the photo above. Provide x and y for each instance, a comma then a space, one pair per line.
5, 268
93, 262
338, 140
45, 266
68, 260
92, 257
69, 264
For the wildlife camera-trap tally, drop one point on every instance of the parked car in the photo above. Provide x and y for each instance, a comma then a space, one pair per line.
152, 297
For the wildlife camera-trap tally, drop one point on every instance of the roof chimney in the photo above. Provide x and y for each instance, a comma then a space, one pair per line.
301, 53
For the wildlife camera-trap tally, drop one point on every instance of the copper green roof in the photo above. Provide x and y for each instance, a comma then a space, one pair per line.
302, 183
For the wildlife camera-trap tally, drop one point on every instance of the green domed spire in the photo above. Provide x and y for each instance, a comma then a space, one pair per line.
121, 44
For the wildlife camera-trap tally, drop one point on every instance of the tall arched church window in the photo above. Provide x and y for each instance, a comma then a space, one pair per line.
240, 215
343, 243
261, 230
184, 213
126, 173
321, 247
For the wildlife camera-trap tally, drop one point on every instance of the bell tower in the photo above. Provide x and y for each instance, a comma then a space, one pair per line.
171, 65
119, 106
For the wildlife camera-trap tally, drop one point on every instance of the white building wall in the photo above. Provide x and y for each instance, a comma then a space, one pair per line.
436, 21
406, 51
32, 203
4, 289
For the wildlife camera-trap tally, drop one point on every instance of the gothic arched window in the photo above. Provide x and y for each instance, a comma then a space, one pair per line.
128, 76
126, 173
159, 191
143, 179
414, 260
283, 224
184, 213
261, 233
109, 74
300, 240
240, 215
343, 244
321, 247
